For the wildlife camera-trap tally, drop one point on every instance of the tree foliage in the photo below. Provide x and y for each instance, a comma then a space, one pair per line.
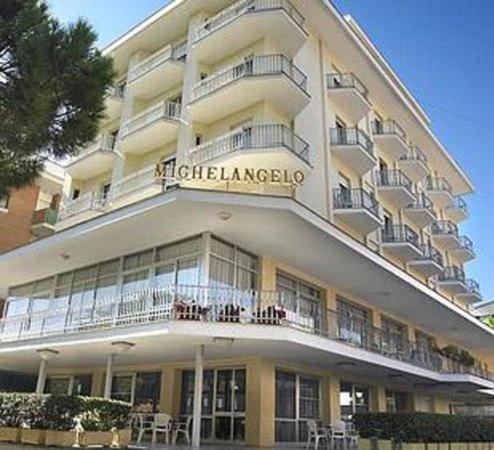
52, 86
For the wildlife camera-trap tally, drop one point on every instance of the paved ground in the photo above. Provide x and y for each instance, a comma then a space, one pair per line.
5, 446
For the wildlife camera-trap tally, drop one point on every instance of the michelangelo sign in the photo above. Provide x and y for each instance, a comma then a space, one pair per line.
229, 174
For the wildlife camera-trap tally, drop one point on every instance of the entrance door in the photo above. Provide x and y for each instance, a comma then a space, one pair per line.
223, 404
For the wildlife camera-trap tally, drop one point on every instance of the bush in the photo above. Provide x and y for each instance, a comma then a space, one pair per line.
424, 427
51, 412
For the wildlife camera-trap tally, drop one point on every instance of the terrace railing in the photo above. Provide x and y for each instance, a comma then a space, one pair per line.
346, 80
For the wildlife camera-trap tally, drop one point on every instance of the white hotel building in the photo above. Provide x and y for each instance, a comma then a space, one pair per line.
327, 278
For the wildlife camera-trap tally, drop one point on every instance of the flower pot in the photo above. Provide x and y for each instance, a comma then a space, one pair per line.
60, 438
32, 436
96, 438
9, 434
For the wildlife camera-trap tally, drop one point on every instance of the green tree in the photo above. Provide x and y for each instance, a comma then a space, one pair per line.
52, 86
489, 320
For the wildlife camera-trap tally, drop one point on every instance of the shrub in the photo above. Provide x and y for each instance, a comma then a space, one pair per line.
51, 412
424, 427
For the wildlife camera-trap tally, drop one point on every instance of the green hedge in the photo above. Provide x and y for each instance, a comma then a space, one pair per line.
424, 427
49, 412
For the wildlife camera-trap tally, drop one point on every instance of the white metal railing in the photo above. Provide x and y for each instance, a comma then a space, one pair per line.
104, 143
247, 6
263, 136
261, 65
134, 182
162, 110
221, 305
116, 91
86, 202
168, 53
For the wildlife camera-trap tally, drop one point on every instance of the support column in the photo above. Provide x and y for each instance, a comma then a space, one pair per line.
379, 399
45, 356
334, 399
109, 375
198, 380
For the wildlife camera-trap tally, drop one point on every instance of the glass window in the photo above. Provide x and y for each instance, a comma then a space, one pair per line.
353, 323
188, 272
137, 260
396, 401
147, 391
297, 399
135, 281
57, 386
353, 399
393, 337
165, 275
82, 385
121, 388
174, 251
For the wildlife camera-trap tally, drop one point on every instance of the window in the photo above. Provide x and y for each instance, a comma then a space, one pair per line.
105, 190
69, 385
394, 336
297, 398
198, 139
353, 322
353, 399
396, 401
388, 222
223, 403
301, 300
76, 194
142, 389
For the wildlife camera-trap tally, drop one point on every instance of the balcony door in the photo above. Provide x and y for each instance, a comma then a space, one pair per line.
354, 324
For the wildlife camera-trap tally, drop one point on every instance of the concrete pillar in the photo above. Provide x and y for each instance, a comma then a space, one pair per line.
171, 381
334, 399
45, 355
109, 375
198, 381
97, 383
268, 274
260, 404
378, 399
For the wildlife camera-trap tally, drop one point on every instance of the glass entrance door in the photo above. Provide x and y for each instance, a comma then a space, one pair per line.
223, 403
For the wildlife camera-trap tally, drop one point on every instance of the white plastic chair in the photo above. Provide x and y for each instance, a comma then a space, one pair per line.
315, 434
143, 425
162, 424
339, 434
183, 428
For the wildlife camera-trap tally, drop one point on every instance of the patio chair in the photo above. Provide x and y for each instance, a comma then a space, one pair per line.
339, 434
162, 424
182, 428
315, 434
142, 425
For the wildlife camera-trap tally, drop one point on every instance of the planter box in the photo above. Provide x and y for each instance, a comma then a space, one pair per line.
458, 446
60, 438
384, 445
10, 434
364, 444
432, 446
415, 446
33, 437
444, 446
105, 438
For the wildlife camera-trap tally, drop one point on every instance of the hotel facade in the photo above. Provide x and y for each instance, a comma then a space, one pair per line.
267, 218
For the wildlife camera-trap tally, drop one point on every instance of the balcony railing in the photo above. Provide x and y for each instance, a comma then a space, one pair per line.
262, 65
429, 253
346, 80
438, 184
415, 154
169, 53
104, 143
45, 216
400, 234
466, 244
453, 274
116, 91
86, 202
388, 127
473, 287
422, 202
392, 178
134, 182
244, 7
266, 136
444, 227
163, 110
355, 199
461, 204
220, 305
351, 136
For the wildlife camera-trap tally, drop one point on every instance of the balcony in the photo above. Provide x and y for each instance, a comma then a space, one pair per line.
260, 313
421, 211
401, 242
269, 146
465, 251
414, 165
43, 222
473, 295
358, 209
390, 138
247, 21
114, 101
354, 148
82, 208
135, 186
152, 128
349, 96
94, 160
453, 281
429, 263
457, 211
394, 186
440, 192
271, 78
159, 72
445, 234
